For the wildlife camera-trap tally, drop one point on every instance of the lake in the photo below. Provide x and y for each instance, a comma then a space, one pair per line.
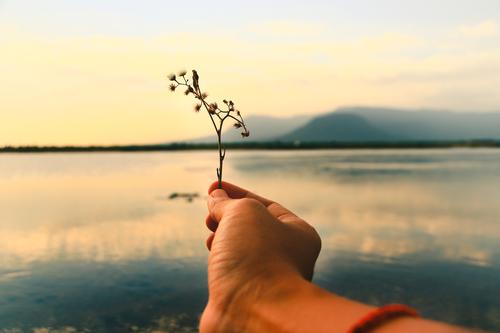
90, 242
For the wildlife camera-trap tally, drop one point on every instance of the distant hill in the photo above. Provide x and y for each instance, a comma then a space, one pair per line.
337, 127
365, 124
369, 124
262, 128
432, 124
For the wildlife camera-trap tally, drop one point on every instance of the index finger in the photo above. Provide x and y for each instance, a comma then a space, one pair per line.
236, 192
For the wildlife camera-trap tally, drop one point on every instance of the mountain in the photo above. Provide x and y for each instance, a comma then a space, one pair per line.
337, 127
369, 124
431, 124
362, 124
262, 128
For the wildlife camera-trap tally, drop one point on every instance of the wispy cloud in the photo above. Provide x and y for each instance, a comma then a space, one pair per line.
287, 27
100, 83
482, 29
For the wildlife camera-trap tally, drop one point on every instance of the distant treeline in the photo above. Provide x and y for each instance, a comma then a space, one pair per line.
276, 145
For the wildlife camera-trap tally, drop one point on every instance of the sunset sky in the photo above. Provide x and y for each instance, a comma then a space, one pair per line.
94, 72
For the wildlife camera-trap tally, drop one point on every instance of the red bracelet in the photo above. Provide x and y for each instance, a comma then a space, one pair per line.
380, 316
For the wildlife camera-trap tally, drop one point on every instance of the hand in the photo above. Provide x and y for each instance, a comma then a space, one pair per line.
261, 258
258, 248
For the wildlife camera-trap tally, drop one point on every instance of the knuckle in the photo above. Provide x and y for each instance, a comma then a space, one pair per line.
313, 237
249, 203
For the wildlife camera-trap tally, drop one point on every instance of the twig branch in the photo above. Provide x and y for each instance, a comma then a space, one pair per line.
216, 114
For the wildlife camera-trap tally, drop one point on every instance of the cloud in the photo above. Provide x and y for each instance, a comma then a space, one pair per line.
89, 89
488, 28
283, 27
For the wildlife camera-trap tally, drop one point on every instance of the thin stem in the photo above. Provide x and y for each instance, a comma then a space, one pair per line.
221, 158
213, 111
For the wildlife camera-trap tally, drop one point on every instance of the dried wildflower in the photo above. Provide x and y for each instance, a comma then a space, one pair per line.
217, 115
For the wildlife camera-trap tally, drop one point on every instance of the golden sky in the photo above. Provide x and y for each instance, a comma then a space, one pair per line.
95, 73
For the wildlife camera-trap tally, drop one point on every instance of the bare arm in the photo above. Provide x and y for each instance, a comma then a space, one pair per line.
260, 266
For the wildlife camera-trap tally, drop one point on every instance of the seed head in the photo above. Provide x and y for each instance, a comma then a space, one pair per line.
191, 85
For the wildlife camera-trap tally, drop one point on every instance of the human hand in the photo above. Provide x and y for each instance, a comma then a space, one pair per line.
258, 248
261, 258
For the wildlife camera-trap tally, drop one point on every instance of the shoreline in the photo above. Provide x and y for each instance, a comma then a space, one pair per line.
256, 146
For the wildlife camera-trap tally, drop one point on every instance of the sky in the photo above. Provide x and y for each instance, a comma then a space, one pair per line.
94, 72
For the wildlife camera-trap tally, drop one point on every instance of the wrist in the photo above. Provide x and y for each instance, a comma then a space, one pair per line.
275, 311
235, 311
301, 306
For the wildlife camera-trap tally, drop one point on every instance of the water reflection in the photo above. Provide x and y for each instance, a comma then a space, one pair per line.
86, 244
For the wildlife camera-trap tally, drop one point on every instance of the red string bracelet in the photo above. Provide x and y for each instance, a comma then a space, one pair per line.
381, 315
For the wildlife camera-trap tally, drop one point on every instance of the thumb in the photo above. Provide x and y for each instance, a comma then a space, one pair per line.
217, 202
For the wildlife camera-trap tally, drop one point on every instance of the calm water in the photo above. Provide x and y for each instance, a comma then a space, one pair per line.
90, 242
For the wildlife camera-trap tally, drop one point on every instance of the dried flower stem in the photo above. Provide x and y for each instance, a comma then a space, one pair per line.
216, 114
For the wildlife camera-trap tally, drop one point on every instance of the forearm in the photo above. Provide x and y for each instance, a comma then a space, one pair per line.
300, 306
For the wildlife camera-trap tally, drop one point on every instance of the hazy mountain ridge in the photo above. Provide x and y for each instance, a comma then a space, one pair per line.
431, 124
369, 124
358, 124
342, 127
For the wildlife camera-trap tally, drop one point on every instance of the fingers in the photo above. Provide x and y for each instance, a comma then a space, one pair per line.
281, 213
217, 201
236, 192
210, 240
211, 224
